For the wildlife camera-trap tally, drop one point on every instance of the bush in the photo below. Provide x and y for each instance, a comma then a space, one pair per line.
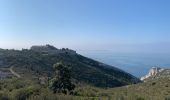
154, 83
140, 98
24, 93
4, 96
167, 98
21, 94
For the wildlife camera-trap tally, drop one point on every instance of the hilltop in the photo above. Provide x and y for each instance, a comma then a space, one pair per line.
37, 62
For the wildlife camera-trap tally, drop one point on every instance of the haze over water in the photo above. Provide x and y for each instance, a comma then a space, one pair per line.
137, 64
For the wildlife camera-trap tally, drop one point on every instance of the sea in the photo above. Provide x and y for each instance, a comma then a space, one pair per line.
137, 64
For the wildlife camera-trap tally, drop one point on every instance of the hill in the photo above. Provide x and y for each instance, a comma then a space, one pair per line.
37, 62
155, 87
30, 66
157, 73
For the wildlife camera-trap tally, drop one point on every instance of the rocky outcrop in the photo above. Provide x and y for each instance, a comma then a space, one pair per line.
152, 72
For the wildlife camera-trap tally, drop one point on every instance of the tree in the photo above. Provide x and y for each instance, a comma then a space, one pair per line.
61, 83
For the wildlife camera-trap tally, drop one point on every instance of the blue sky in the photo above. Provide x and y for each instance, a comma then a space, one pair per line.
116, 25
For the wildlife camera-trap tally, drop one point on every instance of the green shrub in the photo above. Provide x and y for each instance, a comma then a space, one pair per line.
24, 93
140, 98
167, 98
153, 83
4, 96
21, 94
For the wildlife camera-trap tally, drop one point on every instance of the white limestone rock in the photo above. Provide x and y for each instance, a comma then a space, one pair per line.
152, 72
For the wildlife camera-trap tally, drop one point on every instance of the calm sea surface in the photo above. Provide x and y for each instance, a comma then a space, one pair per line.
137, 64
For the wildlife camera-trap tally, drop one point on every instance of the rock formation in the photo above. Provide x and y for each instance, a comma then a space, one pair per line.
153, 71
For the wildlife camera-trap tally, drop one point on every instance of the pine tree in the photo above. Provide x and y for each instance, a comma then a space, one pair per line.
61, 83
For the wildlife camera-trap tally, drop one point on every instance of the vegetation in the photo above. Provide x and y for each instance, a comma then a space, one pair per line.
38, 61
24, 89
92, 80
62, 81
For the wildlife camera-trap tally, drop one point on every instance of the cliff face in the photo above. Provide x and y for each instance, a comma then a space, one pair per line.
152, 72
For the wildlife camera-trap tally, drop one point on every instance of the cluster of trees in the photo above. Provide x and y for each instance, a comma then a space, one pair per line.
22, 89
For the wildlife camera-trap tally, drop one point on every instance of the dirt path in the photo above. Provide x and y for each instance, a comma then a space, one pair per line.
14, 73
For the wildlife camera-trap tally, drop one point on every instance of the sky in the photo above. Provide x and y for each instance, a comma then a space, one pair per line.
103, 25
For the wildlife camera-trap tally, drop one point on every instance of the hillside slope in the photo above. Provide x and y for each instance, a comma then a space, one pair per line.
38, 61
151, 90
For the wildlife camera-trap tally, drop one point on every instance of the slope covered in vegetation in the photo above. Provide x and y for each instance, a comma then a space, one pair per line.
23, 89
37, 62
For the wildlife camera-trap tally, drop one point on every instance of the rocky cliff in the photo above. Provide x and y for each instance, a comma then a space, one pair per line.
152, 72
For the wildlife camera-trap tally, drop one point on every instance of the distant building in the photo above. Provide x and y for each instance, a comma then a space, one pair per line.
48, 49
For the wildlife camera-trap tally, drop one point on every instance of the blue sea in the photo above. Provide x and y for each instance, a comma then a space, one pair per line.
138, 64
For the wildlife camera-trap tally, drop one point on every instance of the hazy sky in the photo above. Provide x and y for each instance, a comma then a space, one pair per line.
117, 25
